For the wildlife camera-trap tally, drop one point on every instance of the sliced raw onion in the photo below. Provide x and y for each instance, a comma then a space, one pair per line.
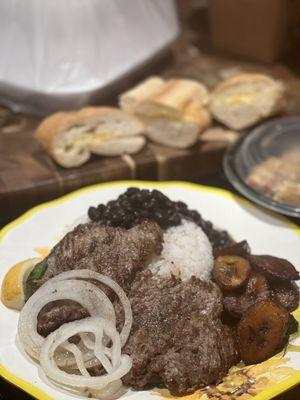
68, 286
95, 332
88, 274
85, 293
121, 364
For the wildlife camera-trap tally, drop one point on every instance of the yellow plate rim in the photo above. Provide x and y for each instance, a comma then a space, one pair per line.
38, 393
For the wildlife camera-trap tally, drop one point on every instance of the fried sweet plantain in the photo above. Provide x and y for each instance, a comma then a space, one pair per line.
257, 284
231, 272
257, 288
274, 267
286, 294
241, 249
262, 331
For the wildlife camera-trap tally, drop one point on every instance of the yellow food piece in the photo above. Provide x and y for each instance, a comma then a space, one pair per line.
13, 285
44, 251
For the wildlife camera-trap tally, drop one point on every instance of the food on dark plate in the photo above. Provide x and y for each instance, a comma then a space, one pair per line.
262, 331
177, 339
135, 205
150, 294
231, 272
278, 177
274, 267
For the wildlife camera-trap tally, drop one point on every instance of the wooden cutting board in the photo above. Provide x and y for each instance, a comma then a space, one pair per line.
28, 176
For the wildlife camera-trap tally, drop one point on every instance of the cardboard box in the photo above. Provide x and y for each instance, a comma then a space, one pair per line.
254, 29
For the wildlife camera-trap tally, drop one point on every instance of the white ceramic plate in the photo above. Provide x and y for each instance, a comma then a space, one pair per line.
44, 225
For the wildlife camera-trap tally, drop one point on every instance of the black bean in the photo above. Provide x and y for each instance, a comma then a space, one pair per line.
132, 190
93, 214
181, 205
101, 208
136, 205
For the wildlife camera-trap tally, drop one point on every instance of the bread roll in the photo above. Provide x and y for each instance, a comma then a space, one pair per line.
243, 100
173, 111
71, 137
179, 133
149, 88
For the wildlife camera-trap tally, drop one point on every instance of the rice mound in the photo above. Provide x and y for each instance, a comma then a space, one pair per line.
186, 252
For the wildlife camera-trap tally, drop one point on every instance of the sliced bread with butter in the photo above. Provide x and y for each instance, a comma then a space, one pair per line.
242, 101
71, 137
174, 111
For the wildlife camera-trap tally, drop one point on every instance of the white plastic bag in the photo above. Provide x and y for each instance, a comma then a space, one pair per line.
56, 54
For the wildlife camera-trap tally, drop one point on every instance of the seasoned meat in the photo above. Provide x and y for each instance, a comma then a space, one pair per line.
177, 340
115, 252
55, 313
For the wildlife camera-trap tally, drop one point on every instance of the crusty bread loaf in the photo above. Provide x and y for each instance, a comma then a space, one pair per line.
173, 111
71, 137
149, 88
243, 100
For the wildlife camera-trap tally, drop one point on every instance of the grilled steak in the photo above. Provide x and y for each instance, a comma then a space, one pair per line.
115, 252
177, 340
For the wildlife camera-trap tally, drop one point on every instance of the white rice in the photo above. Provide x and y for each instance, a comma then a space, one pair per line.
186, 252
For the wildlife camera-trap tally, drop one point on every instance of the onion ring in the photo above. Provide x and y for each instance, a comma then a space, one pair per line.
95, 333
96, 303
121, 364
88, 274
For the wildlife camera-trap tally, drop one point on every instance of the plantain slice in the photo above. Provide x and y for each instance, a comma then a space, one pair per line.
274, 267
286, 294
257, 284
231, 272
257, 288
241, 249
262, 331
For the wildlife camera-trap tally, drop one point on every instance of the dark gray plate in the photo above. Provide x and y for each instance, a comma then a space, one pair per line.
269, 139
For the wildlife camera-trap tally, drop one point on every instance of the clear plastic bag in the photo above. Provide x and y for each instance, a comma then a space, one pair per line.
56, 54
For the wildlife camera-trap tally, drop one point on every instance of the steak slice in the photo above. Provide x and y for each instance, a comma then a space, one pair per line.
115, 252
177, 340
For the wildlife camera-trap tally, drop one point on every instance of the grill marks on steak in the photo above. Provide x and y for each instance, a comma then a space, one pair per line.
115, 252
177, 340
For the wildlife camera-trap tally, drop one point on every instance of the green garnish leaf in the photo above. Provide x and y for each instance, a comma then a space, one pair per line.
36, 274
